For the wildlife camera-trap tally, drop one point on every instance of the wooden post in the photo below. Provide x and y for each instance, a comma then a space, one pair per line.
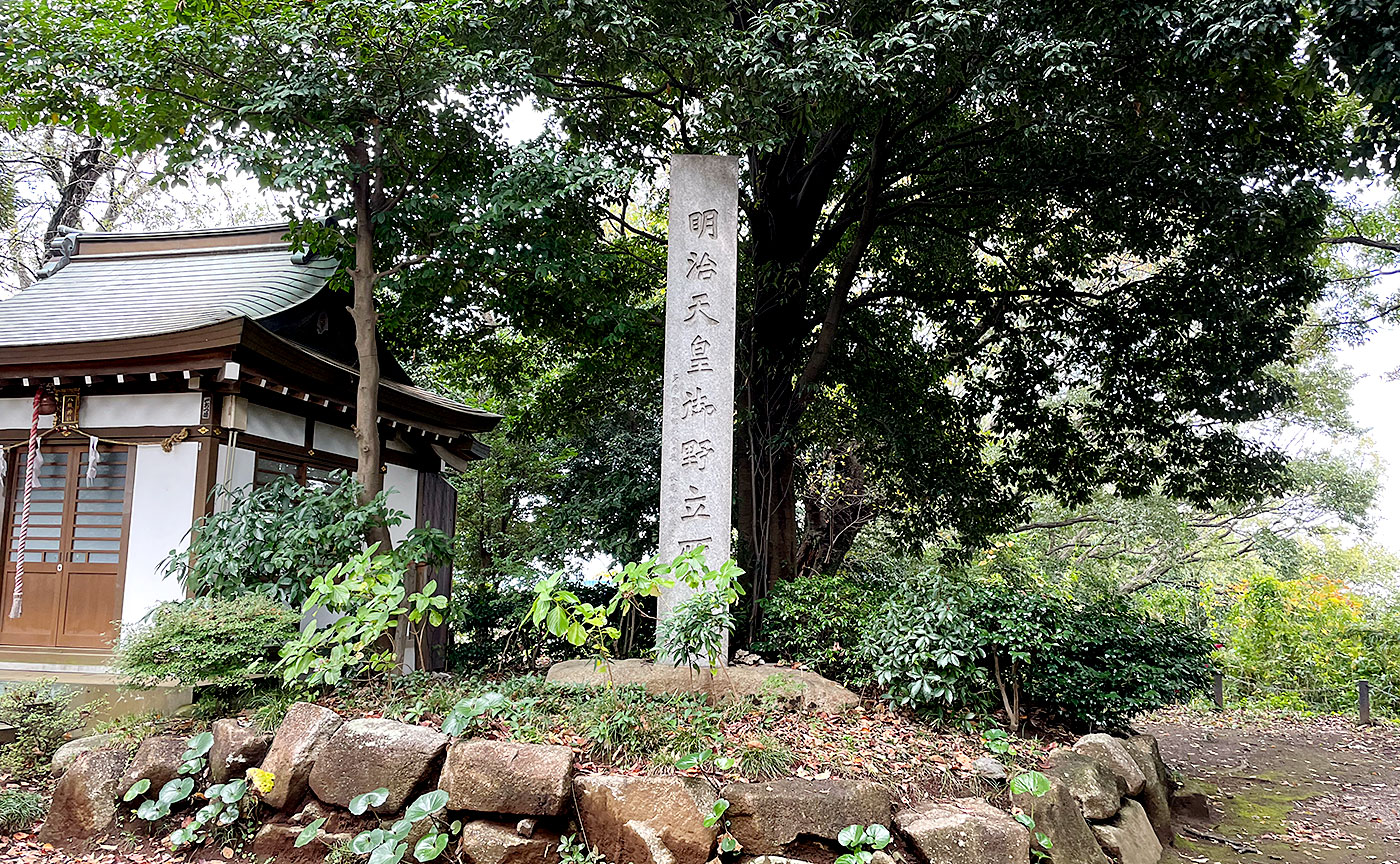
1218, 686
1363, 701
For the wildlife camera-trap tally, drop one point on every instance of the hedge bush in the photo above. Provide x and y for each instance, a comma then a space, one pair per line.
818, 621
206, 640
959, 639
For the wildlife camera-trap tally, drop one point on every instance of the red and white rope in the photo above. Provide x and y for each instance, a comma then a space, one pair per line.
31, 469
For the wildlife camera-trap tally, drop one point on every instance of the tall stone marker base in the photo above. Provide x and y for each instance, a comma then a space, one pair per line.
697, 427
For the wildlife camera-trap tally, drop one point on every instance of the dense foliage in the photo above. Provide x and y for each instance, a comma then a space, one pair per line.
225, 642
275, 538
42, 714
818, 621
991, 636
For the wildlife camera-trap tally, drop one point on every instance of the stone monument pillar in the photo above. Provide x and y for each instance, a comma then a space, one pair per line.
697, 427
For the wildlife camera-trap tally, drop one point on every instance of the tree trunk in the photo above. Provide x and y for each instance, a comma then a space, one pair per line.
835, 507
367, 471
84, 169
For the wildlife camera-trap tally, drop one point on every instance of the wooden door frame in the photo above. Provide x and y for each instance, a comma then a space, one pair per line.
68, 523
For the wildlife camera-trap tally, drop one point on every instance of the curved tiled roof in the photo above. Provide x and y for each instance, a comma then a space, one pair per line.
148, 293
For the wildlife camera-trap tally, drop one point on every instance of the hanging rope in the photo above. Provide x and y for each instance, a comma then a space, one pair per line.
31, 470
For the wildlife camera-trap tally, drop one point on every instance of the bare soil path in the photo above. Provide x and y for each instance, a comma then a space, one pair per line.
1302, 791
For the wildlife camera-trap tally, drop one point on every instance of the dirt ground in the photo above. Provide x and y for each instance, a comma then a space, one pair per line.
1281, 789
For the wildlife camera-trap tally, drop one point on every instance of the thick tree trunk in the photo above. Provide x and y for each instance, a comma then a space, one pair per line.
75, 185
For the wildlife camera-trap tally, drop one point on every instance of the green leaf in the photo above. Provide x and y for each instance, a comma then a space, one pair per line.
851, 836
153, 810
309, 832
388, 853
198, 746
1030, 783
430, 846
234, 791
176, 790
426, 805
137, 788
878, 836
360, 803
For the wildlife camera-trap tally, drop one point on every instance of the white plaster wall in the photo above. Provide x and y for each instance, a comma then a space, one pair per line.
402, 484
101, 412
333, 439
277, 425
162, 506
236, 472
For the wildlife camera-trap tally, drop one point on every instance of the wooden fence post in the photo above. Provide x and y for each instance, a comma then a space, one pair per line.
1363, 701
1219, 688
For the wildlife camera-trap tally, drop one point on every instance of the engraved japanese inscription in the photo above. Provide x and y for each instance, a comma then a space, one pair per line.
697, 428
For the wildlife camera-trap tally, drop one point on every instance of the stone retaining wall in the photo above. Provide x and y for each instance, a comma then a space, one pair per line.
1107, 800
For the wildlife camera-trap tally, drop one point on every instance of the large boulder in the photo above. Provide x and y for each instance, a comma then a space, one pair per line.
1097, 789
506, 777
646, 820
962, 830
1155, 791
374, 753
768, 818
810, 689
304, 733
276, 841
158, 760
85, 799
236, 749
1129, 838
1110, 752
1057, 815
487, 842
64, 756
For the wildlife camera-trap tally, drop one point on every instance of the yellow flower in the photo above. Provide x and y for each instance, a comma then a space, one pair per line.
261, 780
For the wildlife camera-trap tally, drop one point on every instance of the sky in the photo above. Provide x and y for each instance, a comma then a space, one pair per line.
1376, 408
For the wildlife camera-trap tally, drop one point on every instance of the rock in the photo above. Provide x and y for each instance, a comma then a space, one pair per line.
1109, 751
621, 815
989, 768
1191, 806
487, 842
1057, 815
814, 691
1129, 838
369, 754
276, 841
506, 777
304, 732
1144, 750
1097, 789
526, 827
962, 830
236, 749
65, 755
85, 799
768, 818
747, 658
158, 760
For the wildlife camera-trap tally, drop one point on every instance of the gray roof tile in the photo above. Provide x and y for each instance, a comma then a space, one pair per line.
101, 297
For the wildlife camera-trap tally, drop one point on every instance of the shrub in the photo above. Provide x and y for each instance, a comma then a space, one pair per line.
19, 810
207, 640
42, 714
366, 600
924, 647
957, 639
275, 539
818, 621
1110, 662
